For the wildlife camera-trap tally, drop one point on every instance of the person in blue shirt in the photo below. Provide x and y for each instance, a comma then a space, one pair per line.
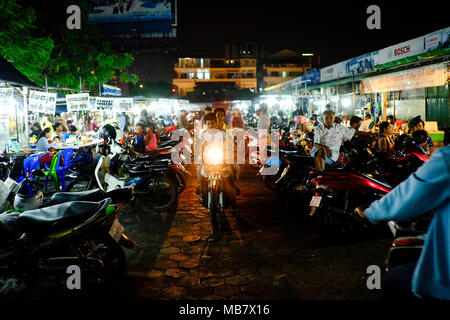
43, 146
72, 131
426, 189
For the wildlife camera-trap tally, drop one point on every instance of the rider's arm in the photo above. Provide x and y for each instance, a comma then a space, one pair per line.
424, 190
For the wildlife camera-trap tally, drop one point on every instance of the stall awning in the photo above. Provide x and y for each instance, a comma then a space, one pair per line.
9, 74
434, 75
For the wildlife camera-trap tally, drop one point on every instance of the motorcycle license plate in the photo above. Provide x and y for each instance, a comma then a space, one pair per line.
116, 230
315, 201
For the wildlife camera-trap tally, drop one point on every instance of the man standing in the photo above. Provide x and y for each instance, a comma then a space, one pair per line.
328, 137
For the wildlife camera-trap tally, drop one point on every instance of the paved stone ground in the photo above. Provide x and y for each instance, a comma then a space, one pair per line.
270, 253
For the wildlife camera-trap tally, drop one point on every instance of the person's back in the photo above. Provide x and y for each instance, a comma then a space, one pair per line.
426, 189
368, 125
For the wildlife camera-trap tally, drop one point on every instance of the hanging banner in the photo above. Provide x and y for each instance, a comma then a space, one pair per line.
430, 76
42, 102
5, 97
123, 105
78, 102
108, 90
104, 104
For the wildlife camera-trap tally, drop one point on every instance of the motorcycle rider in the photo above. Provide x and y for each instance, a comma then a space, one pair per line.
428, 188
230, 184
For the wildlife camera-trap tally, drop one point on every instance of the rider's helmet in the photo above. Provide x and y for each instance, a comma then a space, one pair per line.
28, 197
109, 133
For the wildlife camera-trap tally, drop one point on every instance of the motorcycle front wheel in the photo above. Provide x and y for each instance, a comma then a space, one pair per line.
163, 193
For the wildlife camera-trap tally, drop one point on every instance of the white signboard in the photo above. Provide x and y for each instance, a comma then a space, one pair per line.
401, 50
78, 102
5, 98
42, 102
123, 105
104, 104
333, 72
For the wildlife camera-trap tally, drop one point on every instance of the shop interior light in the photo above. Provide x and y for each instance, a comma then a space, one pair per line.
307, 54
346, 102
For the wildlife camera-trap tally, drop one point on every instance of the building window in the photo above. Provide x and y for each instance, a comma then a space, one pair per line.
199, 75
275, 74
183, 76
284, 74
250, 75
191, 75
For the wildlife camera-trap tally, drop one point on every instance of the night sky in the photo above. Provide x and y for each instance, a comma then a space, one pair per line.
335, 30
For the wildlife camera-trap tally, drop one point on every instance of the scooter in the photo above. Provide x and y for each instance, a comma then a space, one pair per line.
150, 183
49, 240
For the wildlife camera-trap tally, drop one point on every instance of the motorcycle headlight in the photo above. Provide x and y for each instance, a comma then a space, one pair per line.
213, 155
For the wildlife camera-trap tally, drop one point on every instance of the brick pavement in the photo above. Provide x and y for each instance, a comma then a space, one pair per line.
270, 253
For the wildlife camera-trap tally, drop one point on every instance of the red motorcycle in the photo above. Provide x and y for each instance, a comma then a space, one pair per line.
365, 178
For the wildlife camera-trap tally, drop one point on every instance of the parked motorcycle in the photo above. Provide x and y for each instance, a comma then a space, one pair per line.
49, 240
337, 192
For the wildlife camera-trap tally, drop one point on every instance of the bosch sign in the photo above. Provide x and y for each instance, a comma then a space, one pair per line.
402, 50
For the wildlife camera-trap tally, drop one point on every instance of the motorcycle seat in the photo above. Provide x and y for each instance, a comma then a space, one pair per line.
169, 143
56, 217
380, 180
62, 197
9, 229
162, 149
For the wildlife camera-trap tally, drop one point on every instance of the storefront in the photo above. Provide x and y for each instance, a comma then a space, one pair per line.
419, 91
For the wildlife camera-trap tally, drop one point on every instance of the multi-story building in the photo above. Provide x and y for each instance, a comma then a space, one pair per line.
282, 66
191, 71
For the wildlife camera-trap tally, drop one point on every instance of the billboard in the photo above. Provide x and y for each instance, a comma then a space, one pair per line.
130, 18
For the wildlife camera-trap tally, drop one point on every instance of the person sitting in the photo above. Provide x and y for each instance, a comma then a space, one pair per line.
151, 141
59, 131
385, 142
328, 137
417, 124
43, 146
35, 130
368, 125
72, 131
139, 145
313, 120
